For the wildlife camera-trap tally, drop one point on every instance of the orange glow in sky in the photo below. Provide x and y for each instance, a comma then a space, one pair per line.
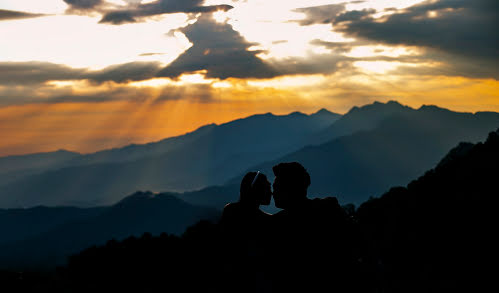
68, 80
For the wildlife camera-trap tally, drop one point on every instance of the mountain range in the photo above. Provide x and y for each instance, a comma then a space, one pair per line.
208, 156
371, 151
352, 156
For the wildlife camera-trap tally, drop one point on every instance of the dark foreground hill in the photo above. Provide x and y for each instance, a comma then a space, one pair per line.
435, 235
43, 237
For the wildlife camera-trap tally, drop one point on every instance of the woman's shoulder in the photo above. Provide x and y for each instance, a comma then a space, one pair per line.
231, 211
232, 207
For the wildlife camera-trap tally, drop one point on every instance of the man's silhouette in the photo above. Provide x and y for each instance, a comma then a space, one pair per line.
311, 243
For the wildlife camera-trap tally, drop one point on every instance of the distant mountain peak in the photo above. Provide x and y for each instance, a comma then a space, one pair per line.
268, 114
322, 112
206, 127
390, 105
137, 196
393, 102
64, 151
432, 108
296, 113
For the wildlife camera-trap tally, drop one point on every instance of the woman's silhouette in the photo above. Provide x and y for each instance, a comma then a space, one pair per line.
243, 226
245, 215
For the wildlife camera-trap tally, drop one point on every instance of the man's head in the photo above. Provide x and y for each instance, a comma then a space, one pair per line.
290, 184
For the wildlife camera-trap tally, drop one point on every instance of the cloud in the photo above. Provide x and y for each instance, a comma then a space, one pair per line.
86, 6
32, 72
122, 73
151, 54
14, 73
320, 14
32, 82
312, 64
279, 42
83, 4
10, 14
220, 50
459, 29
336, 47
135, 12
51, 94
353, 15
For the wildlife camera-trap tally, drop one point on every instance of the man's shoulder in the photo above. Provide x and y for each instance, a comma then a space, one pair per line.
326, 207
329, 202
280, 214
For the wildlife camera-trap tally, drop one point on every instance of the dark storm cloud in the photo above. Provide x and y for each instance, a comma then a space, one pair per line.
132, 13
467, 30
10, 14
220, 50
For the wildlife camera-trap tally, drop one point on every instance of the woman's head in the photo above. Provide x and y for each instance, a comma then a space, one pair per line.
255, 189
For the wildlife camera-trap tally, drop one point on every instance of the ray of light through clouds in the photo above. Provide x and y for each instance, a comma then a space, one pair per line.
92, 74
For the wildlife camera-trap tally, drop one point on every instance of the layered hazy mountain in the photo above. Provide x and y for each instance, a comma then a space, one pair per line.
208, 156
353, 157
44, 236
16, 167
382, 145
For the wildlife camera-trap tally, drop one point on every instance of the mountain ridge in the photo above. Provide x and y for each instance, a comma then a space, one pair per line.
202, 158
401, 146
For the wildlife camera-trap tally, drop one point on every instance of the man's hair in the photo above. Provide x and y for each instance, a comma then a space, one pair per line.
293, 173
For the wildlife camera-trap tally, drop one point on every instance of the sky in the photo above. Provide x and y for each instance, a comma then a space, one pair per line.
86, 75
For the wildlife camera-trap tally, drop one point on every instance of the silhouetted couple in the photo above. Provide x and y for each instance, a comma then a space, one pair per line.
305, 247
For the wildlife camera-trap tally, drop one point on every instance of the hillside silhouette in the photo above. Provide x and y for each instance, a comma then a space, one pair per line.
42, 238
435, 235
